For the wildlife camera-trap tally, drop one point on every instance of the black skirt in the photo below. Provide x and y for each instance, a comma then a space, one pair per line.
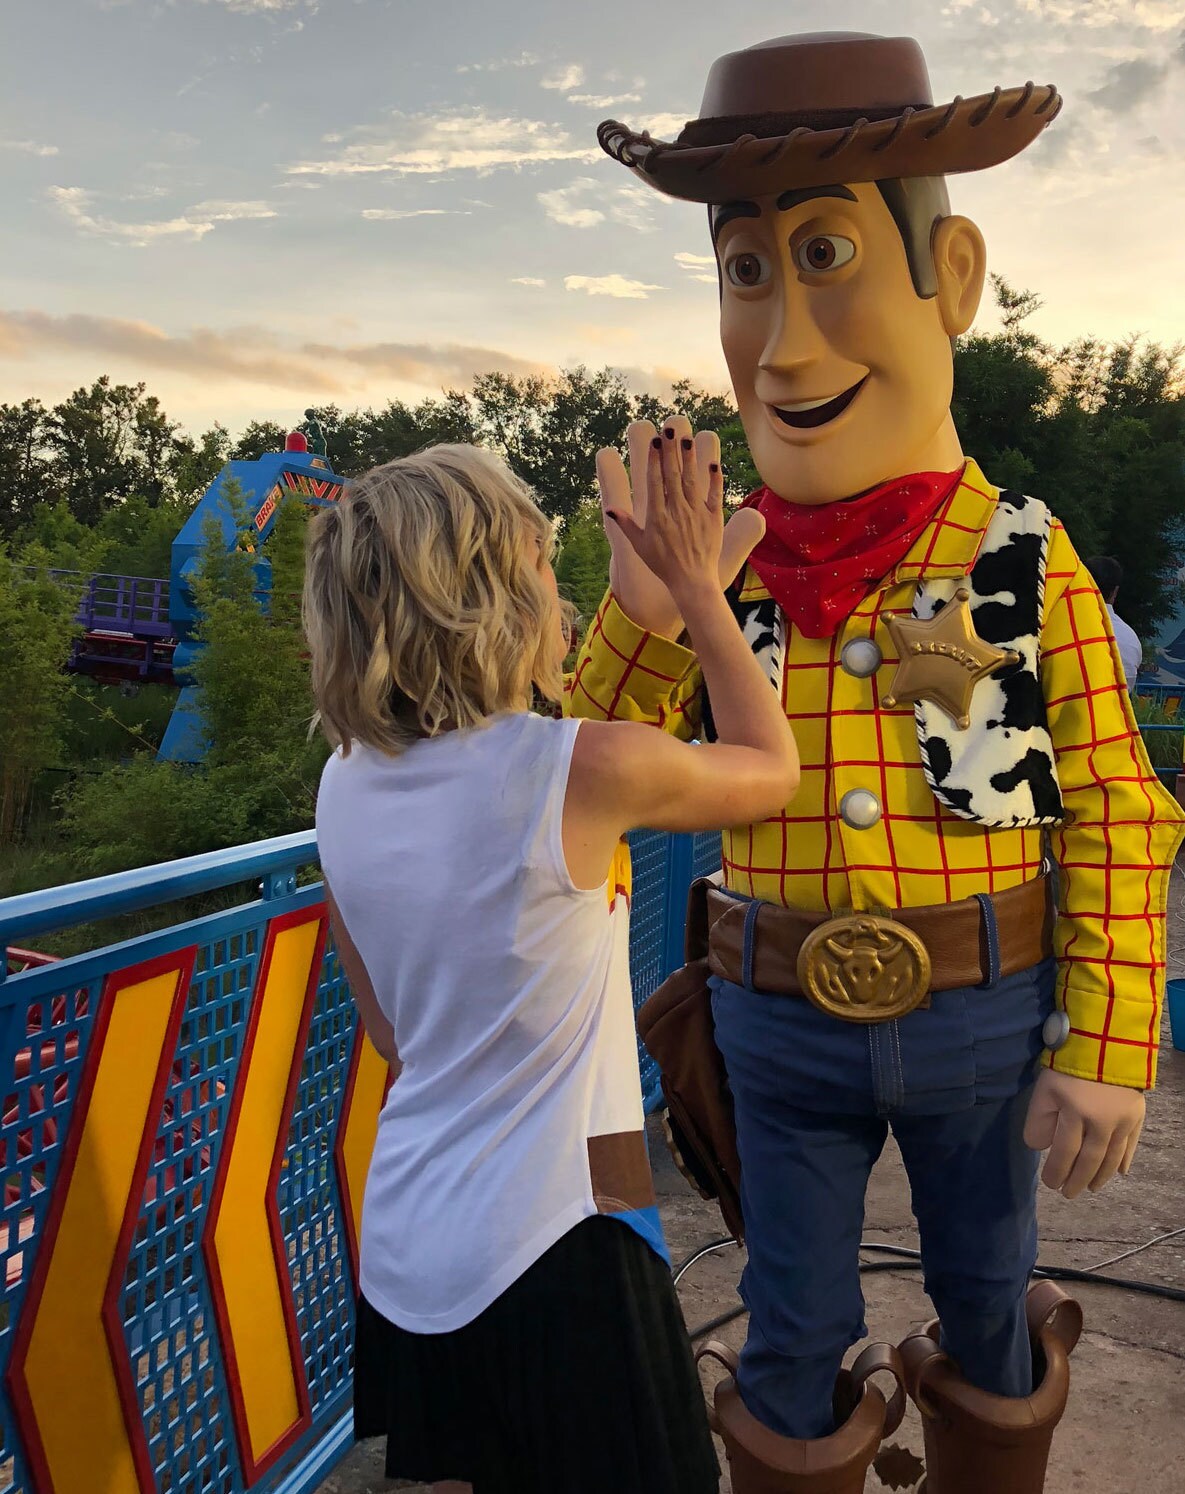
579, 1379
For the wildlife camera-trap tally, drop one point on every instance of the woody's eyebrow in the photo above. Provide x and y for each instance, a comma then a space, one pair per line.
793, 198
730, 210
796, 196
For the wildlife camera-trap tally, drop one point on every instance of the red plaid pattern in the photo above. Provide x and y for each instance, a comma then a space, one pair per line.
1115, 853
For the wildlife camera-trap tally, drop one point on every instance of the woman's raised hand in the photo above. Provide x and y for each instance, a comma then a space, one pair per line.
664, 521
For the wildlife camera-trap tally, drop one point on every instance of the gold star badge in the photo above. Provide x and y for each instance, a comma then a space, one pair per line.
942, 660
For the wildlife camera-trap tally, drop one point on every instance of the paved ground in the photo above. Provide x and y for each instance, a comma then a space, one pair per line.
1123, 1427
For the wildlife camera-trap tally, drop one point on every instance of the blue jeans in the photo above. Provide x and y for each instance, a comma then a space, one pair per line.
815, 1098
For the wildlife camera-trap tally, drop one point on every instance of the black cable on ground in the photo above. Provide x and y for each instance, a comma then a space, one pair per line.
910, 1260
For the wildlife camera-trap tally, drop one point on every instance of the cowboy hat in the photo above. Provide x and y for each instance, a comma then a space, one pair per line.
807, 111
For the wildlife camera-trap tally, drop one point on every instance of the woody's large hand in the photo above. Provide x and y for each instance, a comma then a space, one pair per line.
639, 592
1090, 1130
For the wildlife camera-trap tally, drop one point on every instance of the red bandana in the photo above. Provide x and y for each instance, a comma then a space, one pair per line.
820, 561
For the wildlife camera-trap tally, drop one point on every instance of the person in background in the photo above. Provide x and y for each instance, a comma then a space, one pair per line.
1108, 577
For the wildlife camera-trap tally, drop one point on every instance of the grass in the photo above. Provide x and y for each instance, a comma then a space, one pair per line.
1164, 747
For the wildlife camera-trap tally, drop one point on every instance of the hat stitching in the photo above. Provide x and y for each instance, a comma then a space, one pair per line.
1023, 101
989, 108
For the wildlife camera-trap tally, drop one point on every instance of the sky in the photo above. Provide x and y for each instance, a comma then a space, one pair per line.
252, 205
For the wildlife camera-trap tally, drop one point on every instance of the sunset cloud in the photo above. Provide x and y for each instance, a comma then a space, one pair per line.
29, 147
617, 286
440, 144
194, 224
565, 80
254, 355
389, 215
587, 202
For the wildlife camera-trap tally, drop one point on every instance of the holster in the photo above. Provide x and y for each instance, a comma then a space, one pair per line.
676, 1026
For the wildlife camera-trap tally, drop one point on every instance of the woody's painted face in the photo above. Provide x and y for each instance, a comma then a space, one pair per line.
842, 372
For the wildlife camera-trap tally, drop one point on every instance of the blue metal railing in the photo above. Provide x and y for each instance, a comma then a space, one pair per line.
139, 1081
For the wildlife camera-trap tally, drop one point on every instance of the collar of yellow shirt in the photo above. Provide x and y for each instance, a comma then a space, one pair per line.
947, 547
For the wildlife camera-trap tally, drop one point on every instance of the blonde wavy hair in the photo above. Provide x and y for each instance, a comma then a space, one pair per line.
425, 608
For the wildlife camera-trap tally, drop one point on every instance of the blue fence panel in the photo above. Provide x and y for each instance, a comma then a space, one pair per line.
160, 1343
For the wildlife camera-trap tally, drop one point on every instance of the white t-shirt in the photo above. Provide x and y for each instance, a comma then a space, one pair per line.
518, 1111
1130, 651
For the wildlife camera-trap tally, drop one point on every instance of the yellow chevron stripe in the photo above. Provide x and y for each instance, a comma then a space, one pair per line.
70, 1381
254, 1297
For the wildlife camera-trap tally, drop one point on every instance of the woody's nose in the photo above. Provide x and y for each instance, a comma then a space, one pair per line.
795, 342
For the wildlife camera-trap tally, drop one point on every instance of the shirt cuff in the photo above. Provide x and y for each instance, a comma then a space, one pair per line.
1112, 1039
649, 666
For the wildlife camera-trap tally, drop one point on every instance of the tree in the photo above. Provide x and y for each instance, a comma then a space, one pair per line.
94, 436
582, 566
36, 626
1095, 429
195, 464
26, 473
259, 777
259, 438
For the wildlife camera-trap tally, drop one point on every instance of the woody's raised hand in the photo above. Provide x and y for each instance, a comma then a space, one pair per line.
638, 516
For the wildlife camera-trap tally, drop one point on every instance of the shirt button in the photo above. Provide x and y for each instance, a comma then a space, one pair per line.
1056, 1031
861, 657
859, 809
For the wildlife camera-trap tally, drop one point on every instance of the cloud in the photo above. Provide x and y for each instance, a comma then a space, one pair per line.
604, 101
696, 265
662, 126
587, 202
561, 205
1151, 15
616, 286
432, 365
437, 144
1127, 84
389, 215
524, 59
250, 356
194, 224
564, 81
528, 280
29, 147
253, 355
263, 7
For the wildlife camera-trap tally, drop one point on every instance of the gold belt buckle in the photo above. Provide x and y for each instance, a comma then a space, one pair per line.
864, 967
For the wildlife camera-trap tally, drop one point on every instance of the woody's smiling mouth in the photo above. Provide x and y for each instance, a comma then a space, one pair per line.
805, 415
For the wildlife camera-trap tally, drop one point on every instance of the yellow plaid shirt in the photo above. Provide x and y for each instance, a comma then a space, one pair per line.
1115, 855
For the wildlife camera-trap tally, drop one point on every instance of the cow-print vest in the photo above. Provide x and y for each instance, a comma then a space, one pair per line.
1000, 770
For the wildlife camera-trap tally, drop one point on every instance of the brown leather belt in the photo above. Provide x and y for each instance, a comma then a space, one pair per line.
870, 967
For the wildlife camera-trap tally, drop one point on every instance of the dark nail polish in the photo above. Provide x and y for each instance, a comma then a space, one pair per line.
714, 467
669, 434
685, 443
657, 443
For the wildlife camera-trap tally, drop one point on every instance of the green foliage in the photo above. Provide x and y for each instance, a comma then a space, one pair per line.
260, 437
36, 626
582, 565
1164, 747
260, 774
1096, 430
105, 725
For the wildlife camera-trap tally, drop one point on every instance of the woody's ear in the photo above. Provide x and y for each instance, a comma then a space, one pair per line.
960, 268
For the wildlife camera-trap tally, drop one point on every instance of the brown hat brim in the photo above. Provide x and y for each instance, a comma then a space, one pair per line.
964, 135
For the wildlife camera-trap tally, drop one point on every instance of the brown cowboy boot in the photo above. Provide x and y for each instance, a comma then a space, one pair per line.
761, 1461
978, 1443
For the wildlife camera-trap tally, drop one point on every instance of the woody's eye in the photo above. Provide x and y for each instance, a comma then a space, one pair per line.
747, 270
824, 251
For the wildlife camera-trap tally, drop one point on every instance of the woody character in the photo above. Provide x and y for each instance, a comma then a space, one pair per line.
886, 953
